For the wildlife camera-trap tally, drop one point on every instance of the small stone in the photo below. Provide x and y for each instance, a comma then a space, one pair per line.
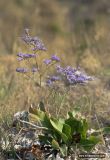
18, 147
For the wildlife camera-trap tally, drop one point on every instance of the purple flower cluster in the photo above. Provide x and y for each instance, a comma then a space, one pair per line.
25, 70
22, 56
51, 79
67, 75
53, 58
47, 61
33, 41
22, 70
73, 76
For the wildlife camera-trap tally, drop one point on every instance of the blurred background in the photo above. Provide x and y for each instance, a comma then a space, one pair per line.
74, 28
77, 30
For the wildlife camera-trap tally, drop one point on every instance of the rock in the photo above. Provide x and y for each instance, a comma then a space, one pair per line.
24, 116
18, 147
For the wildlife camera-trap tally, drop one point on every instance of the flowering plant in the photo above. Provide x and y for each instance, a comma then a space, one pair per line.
67, 75
61, 135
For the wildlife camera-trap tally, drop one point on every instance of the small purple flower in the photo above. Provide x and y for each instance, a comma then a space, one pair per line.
26, 37
49, 82
33, 41
59, 69
20, 55
81, 79
22, 70
52, 79
34, 69
25, 56
55, 58
47, 61
38, 45
30, 55
19, 59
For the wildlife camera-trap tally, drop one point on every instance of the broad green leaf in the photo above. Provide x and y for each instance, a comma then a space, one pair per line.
42, 117
58, 126
67, 131
39, 114
74, 124
78, 126
89, 144
83, 128
62, 120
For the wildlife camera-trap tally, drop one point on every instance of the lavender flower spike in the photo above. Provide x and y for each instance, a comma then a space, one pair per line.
25, 55
22, 70
38, 45
59, 69
55, 58
19, 59
33, 41
52, 79
72, 76
47, 61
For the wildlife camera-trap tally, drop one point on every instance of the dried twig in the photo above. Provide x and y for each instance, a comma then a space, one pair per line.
37, 127
18, 156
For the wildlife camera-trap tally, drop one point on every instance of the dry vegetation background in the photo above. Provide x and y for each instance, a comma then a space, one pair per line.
78, 31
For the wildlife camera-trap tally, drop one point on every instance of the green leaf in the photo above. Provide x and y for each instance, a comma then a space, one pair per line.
62, 120
58, 126
77, 125
83, 128
74, 124
67, 131
72, 114
55, 144
89, 144
42, 117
